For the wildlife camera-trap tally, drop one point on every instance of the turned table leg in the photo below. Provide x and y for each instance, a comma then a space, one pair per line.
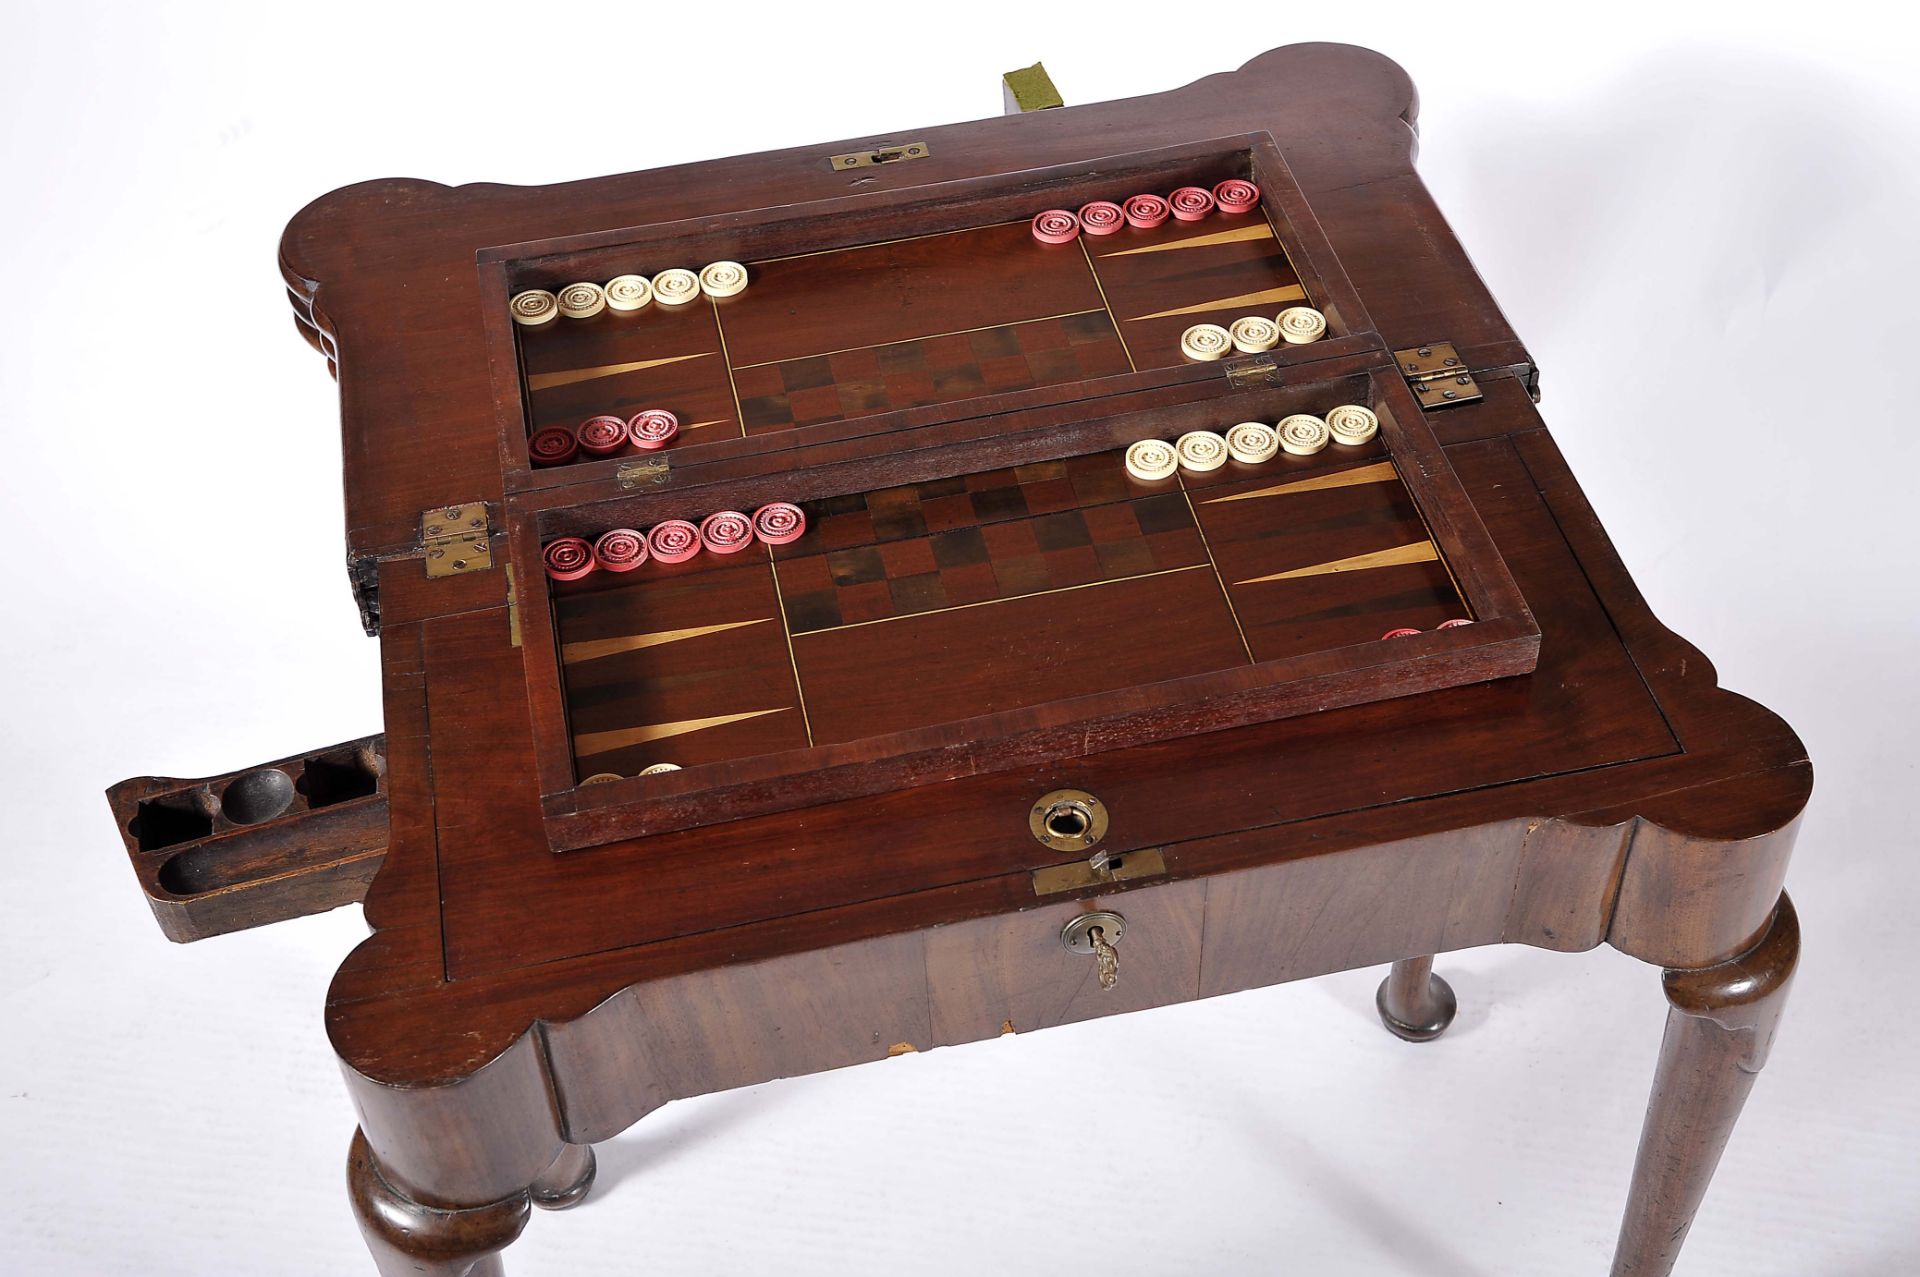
409, 1237
412, 1237
1413, 1002
1720, 1023
443, 1178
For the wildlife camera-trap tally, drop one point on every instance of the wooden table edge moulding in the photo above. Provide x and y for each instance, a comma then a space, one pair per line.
550, 960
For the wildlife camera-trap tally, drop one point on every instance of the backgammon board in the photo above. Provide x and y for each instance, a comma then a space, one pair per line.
829, 598
941, 397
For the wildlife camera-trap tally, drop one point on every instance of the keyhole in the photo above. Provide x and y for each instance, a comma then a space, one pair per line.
1069, 821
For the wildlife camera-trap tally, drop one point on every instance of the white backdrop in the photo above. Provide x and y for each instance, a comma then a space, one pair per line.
1701, 223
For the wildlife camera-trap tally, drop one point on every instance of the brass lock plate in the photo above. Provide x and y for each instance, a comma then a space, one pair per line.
883, 154
1121, 866
1068, 820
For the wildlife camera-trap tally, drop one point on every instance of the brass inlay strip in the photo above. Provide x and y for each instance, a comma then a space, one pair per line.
1418, 552
1381, 472
605, 742
1108, 306
786, 632
961, 607
1238, 235
907, 341
1225, 595
726, 361
513, 609
1284, 293
594, 649
883, 243
548, 380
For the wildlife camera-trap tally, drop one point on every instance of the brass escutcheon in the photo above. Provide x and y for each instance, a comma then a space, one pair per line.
1068, 820
1077, 935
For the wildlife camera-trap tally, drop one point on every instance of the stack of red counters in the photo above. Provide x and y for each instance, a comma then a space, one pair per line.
567, 558
1191, 203
1236, 196
652, 428
726, 531
1056, 226
602, 436
779, 523
621, 550
1405, 631
1102, 217
552, 446
1144, 212
674, 541
649, 430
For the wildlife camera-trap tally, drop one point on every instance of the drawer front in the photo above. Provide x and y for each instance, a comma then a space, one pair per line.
1014, 971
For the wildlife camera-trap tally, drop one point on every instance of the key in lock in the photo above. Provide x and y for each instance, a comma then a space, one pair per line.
1097, 935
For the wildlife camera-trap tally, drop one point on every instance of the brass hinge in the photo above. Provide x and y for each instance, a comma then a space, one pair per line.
1254, 370
648, 470
1437, 375
884, 154
1119, 866
456, 539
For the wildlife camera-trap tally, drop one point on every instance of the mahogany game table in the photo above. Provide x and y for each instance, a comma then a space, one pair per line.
988, 732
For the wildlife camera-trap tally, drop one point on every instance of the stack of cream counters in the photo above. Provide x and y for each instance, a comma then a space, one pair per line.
1252, 334
676, 286
1251, 442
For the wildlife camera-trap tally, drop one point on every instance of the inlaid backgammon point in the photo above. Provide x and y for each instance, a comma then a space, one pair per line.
1397, 556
